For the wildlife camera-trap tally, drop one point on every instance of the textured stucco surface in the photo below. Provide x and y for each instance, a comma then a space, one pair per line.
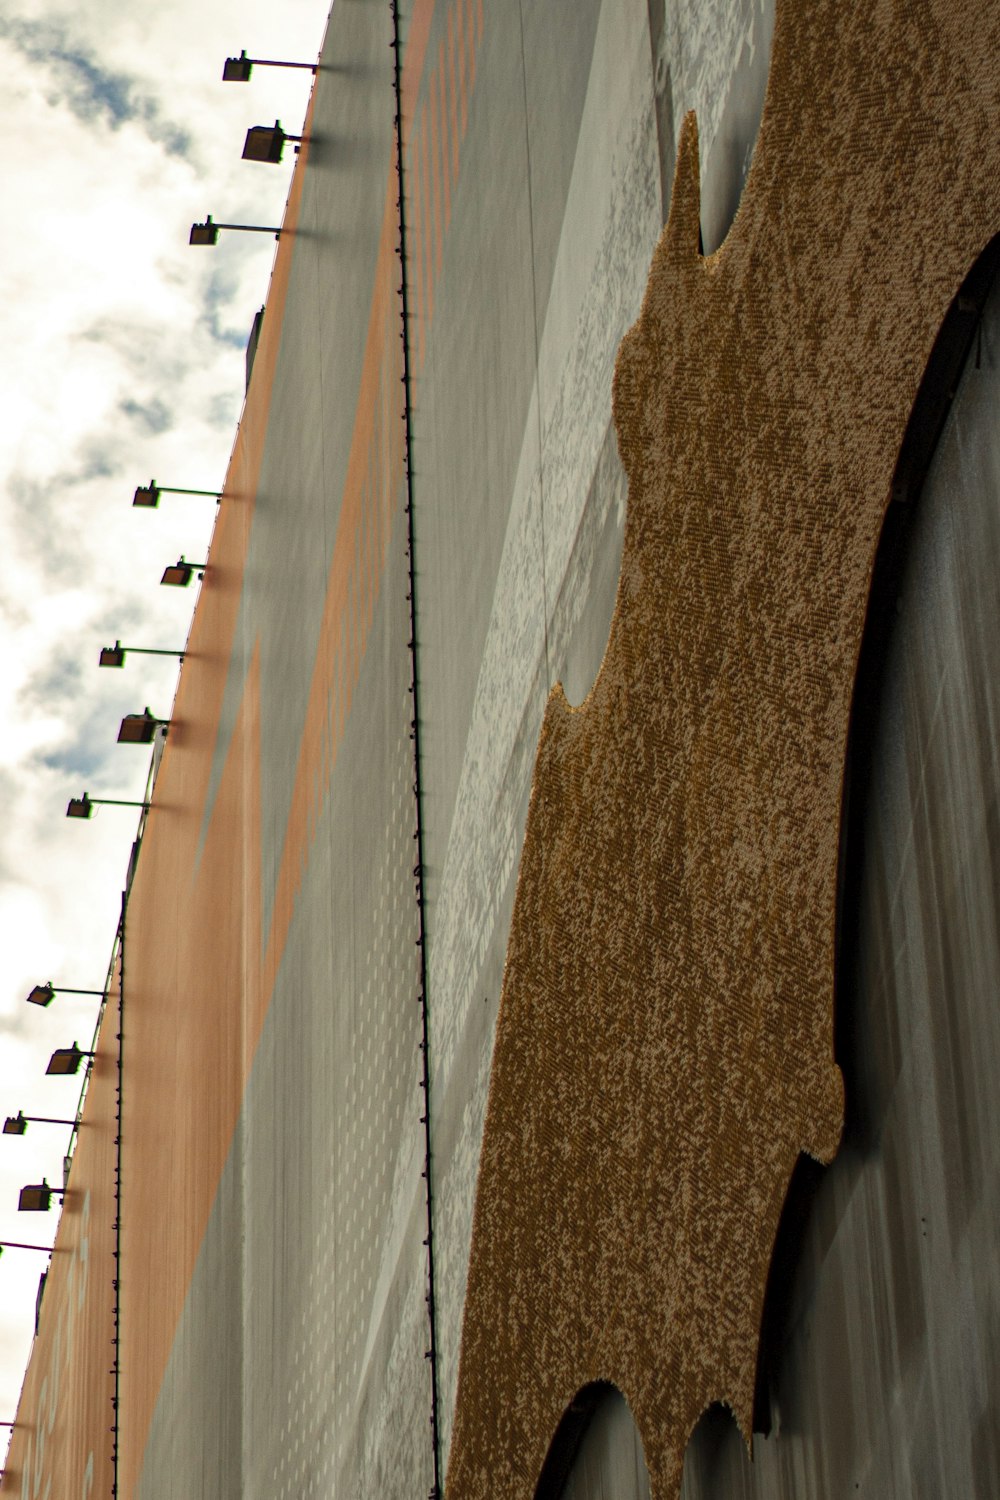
887, 1371
665, 1040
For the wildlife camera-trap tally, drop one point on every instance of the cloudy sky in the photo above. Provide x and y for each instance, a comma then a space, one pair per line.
121, 360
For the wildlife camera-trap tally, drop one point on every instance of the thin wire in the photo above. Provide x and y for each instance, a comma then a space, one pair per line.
432, 1351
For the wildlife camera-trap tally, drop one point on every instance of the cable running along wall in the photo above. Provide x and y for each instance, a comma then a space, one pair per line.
418, 868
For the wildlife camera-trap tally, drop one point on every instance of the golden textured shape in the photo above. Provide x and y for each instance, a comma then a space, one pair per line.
664, 1046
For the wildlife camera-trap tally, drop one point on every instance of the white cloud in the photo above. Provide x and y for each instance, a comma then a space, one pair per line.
121, 360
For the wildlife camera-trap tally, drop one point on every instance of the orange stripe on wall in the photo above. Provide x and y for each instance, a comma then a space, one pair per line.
343, 595
453, 92
416, 243
460, 28
428, 220
445, 153
413, 62
186, 1037
375, 488
169, 1208
388, 383
65, 1410
187, 1053
432, 111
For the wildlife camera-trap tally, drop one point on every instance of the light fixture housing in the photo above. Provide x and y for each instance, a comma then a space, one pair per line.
266, 143
66, 1061
237, 69
79, 807
137, 729
36, 1197
42, 994
147, 495
15, 1124
204, 234
180, 573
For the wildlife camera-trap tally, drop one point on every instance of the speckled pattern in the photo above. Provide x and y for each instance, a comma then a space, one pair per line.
664, 1046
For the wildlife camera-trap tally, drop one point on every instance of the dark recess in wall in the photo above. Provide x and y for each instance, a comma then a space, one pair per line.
855, 1051
568, 1436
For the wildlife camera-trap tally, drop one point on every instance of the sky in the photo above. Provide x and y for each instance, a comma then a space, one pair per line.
121, 360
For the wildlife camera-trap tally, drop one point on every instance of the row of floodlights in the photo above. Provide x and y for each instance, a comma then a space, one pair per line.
36, 1197
140, 729
263, 143
135, 729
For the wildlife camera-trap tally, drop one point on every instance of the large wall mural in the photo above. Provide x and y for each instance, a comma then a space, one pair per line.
664, 1049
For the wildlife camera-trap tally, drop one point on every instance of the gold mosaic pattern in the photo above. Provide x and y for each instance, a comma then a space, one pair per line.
664, 1046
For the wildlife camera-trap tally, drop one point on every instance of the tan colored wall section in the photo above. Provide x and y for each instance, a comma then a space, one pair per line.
188, 936
62, 1443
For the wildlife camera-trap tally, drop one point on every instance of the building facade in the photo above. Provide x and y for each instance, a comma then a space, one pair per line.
261, 1283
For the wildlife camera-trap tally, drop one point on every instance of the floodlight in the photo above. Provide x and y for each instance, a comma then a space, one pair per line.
18, 1124
43, 993
66, 1060
238, 69
114, 656
180, 573
208, 233
82, 807
139, 729
148, 495
204, 234
36, 1197
267, 142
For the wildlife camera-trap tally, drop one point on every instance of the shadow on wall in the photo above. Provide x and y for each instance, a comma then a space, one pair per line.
596, 1451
